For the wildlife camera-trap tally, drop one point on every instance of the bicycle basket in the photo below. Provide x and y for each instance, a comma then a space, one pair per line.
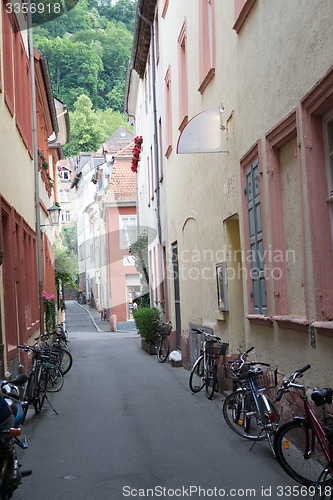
267, 379
216, 348
164, 329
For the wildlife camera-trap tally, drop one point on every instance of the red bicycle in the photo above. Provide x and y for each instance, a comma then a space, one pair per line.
304, 446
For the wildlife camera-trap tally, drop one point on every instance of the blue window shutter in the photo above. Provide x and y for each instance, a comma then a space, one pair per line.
257, 251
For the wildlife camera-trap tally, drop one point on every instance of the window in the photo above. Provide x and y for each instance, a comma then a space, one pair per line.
328, 140
182, 78
168, 113
206, 43
152, 176
66, 216
316, 110
256, 247
22, 90
127, 231
64, 196
8, 58
222, 286
64, 175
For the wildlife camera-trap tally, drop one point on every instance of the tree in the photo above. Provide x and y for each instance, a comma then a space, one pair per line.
87, 132
69, 240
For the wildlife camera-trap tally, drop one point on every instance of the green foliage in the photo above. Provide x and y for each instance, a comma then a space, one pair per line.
147, 320
88, 53
69, 239
89, 128
66, 268
50, 312
139, 250
86, 129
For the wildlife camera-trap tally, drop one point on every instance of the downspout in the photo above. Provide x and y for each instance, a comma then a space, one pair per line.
157, 169
36, 172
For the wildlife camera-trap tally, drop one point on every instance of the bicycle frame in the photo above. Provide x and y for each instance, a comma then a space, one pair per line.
255, 392
319, 431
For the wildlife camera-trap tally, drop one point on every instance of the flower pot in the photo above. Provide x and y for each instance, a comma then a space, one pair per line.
149, 347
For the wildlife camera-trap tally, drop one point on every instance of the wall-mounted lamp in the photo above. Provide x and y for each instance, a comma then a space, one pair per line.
54, 213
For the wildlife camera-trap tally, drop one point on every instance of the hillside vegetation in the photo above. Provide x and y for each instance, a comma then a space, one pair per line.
88, 50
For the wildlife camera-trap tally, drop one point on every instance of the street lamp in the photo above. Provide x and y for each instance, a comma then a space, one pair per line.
54, 213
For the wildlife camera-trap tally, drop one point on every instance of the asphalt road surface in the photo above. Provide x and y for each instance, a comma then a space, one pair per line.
129, 427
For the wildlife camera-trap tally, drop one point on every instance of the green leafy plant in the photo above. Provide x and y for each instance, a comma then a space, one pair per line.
139, 250
50, 312
147, 320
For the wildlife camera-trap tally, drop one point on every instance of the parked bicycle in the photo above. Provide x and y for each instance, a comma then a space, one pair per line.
44, 377
55, 345
248, 411
304, 445
163, 345
204, 370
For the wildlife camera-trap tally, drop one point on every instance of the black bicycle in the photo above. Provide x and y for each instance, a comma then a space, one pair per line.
163, 344
204, 370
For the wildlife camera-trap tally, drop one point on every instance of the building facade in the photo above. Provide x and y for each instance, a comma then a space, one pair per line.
21, 283
244, 102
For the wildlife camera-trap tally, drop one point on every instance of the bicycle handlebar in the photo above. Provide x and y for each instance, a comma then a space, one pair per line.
291, 380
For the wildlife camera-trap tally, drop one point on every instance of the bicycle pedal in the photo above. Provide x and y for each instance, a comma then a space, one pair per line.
24, 442
25, 473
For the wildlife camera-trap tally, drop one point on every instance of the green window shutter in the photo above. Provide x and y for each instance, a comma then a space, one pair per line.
257, 251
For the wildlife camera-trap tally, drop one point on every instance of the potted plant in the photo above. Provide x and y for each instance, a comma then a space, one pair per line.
147, 320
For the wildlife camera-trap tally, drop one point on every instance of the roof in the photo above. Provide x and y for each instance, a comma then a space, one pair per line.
141, 38
117, 141
122, 185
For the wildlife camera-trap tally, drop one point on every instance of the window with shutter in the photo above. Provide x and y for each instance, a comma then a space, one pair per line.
257, 254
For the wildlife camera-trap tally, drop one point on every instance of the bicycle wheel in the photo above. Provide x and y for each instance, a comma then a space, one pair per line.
55, 378
40, 392
211, 378
241, 415
163, 349
65, 360
324, 486
197, 380
28, 393
303, 463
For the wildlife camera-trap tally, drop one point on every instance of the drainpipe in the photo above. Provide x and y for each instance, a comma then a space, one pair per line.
36, 172
158, 213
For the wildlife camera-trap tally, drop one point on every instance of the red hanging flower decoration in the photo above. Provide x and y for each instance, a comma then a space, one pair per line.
136, 153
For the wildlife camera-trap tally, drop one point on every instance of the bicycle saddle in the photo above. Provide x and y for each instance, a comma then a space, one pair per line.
322, 396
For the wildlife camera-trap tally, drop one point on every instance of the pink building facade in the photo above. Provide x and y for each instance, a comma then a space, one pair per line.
121, 224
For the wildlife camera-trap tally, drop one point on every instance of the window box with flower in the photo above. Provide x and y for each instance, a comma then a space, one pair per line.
136, 153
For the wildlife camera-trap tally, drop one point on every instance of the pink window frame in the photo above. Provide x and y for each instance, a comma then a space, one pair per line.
182, 77
206, 66
165, 5
168, 113
242, 10
313, 106
250, 157
280, 135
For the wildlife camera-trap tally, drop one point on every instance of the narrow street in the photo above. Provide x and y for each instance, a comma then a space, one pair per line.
128, 426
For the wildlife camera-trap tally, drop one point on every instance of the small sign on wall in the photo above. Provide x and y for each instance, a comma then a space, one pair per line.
128, 260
